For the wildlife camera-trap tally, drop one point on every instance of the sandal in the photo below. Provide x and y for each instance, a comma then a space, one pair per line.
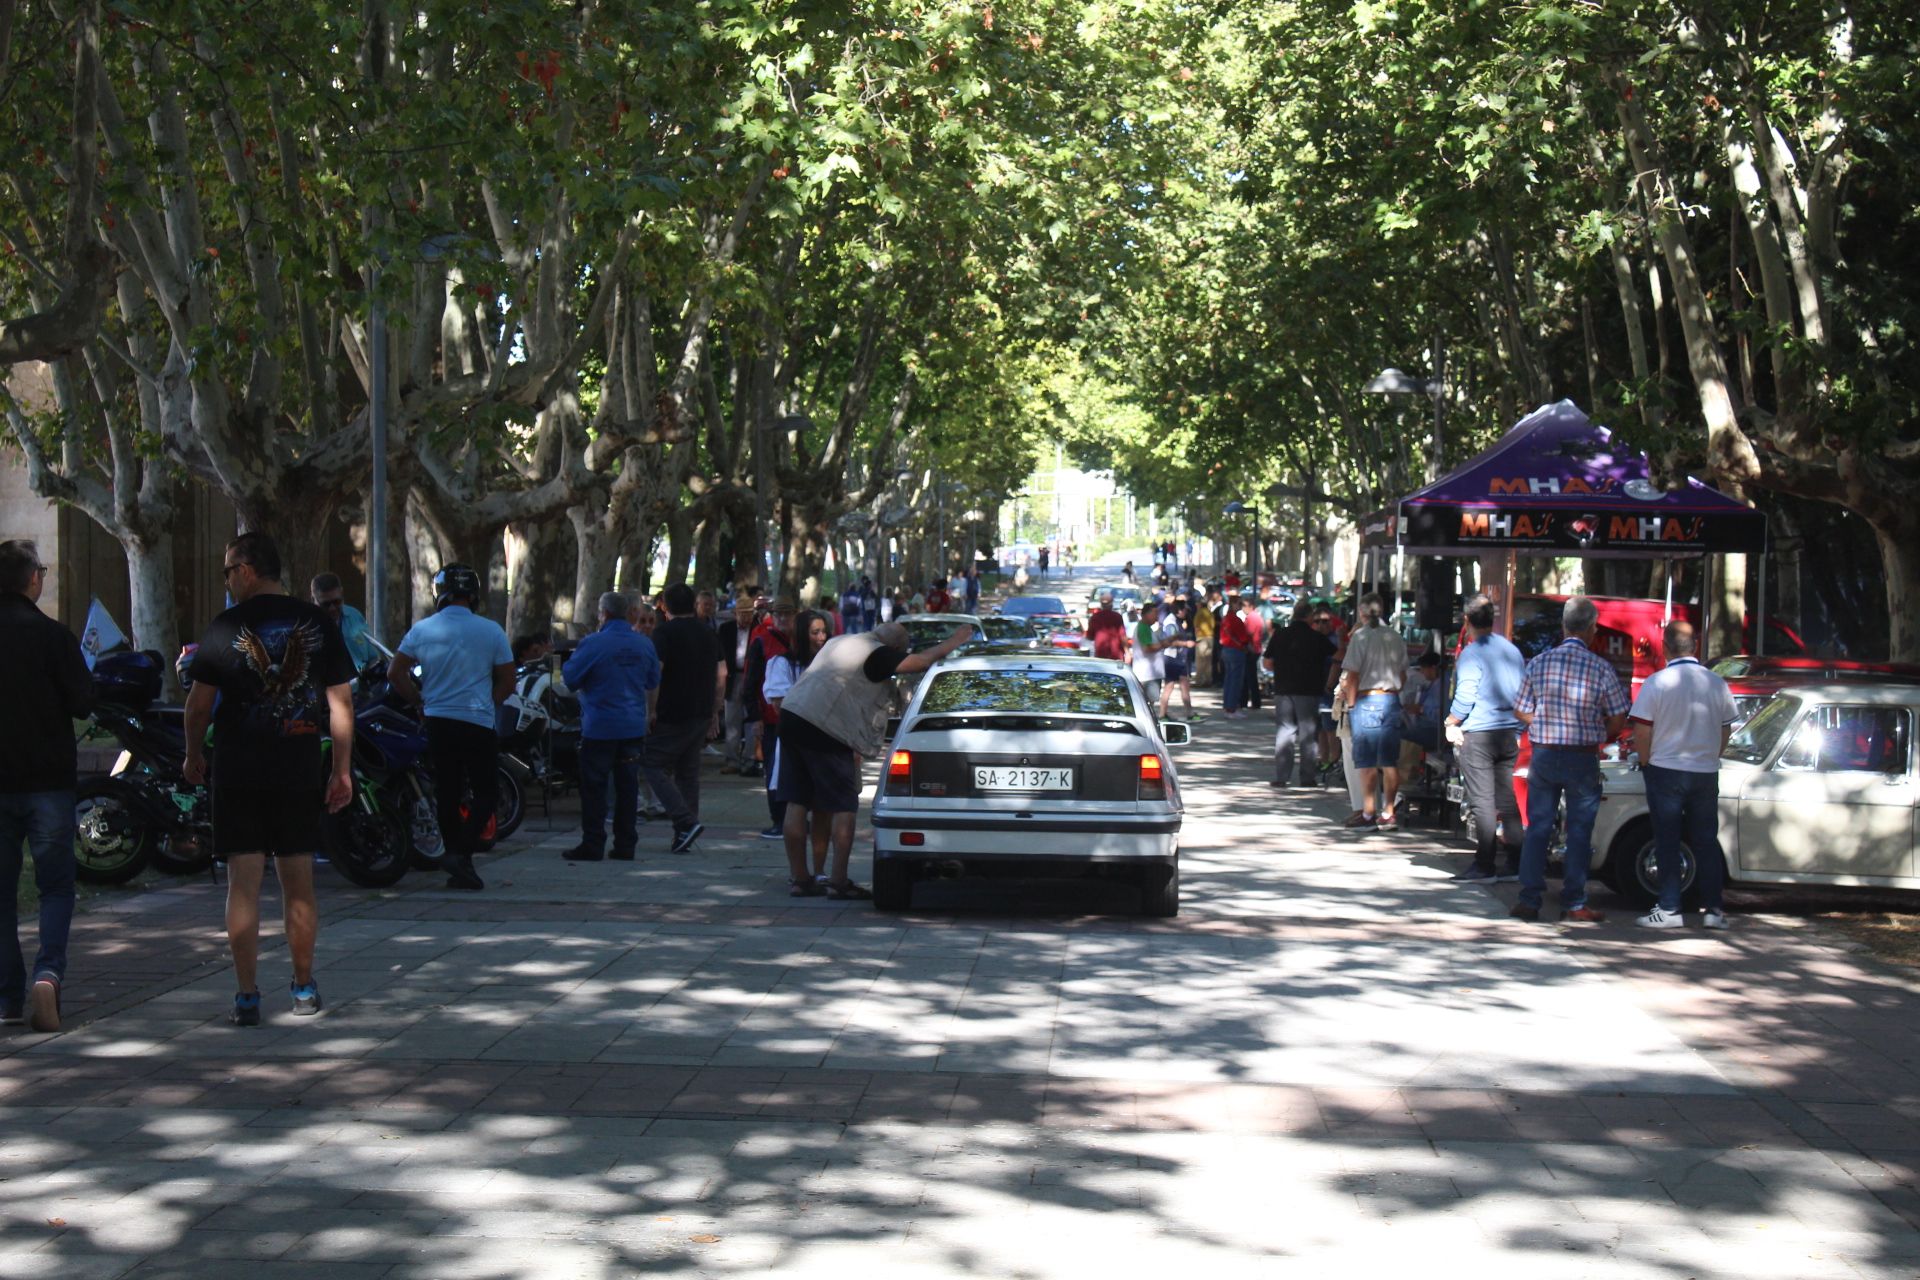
804, 889
848, 891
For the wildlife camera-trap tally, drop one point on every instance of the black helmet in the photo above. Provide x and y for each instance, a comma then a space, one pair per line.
455, 580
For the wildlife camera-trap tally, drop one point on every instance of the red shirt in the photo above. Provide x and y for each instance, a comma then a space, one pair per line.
1109, 634
938, 600
1234, 633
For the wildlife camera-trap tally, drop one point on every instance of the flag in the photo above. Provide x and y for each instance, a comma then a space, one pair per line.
102, 633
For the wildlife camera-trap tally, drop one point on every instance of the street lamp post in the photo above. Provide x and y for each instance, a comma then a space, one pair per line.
1250, 527
1392, 382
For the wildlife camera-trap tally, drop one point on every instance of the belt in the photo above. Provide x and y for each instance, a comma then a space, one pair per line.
1562, 746
1367, 692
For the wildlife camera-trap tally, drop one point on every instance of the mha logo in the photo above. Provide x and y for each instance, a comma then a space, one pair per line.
1488, 524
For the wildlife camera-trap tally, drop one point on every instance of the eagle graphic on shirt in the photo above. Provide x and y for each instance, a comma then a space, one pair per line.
281, 657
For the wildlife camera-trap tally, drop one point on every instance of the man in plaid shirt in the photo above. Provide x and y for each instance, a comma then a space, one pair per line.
1572, 704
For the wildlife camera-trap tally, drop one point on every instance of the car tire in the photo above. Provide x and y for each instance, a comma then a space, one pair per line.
1160, 891
892, 884
1634, 874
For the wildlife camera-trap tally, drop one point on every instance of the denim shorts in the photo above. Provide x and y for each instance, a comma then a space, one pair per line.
1375, 724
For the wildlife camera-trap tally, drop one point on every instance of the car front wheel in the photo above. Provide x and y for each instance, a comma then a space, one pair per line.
1634, 872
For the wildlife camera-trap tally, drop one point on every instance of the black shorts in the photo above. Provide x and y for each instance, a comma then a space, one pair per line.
817, 773
269, 820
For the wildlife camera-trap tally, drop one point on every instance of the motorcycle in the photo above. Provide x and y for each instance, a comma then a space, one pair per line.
539, 729
390, 745
143, 812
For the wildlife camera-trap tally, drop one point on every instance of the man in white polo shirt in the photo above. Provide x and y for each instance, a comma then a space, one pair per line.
1680, 723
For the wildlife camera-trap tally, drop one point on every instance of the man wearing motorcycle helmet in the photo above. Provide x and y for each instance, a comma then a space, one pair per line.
466, 672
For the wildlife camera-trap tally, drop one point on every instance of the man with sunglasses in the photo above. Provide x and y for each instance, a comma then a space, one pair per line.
281, 673
49, 689
331, 598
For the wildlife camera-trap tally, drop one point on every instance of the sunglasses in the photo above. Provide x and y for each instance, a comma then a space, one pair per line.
226, 570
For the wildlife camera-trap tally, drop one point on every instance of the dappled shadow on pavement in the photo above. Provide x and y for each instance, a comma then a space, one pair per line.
1334, 1061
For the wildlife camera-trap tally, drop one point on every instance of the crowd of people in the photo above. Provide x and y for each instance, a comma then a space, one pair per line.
797, 698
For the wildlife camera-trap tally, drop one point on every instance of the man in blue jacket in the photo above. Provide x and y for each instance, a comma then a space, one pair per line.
611, 672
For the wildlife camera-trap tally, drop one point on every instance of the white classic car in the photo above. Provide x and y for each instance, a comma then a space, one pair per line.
1030, 763
1817, 788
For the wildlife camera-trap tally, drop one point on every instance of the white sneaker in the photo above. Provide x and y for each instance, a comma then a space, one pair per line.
1658, 919
1714, 919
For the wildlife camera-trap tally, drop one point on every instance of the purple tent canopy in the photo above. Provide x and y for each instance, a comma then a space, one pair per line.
1558, 485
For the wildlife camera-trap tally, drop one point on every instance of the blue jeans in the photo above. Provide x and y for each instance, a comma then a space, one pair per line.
617, 759
41, 823
1686, 807
1556, 772
1375, 728
1236, 662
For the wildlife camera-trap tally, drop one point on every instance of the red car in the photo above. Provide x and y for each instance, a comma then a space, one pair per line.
1755, 679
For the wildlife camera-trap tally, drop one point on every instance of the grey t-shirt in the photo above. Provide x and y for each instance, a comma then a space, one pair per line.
1378, 658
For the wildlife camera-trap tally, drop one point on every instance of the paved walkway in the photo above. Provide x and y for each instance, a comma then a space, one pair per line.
1333, 1062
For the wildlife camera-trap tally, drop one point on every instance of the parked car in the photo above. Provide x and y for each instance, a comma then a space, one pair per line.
924, 631
1755, 679
1037, 609
1030, 763
1126, 598
1818, 787
1010, 630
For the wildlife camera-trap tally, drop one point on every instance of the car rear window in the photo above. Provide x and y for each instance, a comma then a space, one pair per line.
1034, 604
1095, 693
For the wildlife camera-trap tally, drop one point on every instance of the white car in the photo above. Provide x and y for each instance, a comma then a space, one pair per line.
1817, 788
1025, 764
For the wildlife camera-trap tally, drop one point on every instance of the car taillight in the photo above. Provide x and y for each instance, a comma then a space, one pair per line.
1153, 779
900, 773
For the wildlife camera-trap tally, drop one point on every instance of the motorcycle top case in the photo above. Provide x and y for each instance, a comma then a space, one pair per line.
129, 679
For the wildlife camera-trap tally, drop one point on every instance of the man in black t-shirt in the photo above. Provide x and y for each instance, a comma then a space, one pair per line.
281, 673
683, 712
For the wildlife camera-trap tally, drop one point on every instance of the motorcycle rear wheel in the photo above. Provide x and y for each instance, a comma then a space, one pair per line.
113, 837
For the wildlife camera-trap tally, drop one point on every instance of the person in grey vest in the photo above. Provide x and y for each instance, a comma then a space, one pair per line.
835, 714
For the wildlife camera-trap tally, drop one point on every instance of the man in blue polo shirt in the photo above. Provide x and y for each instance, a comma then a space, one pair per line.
466, 673
612, 672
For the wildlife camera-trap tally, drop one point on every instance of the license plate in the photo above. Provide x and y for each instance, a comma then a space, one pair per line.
1456, 792
1021, 778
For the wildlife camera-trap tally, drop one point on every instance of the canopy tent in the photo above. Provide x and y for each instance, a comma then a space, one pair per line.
1557, 484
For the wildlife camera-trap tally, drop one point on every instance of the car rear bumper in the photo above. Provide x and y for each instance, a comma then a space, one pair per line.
1081, 840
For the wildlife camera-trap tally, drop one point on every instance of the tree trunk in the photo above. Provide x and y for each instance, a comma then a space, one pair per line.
595, 550
150, 586
706, 557
1900, 557
679, 544
536, 551
298, 527
806, 552
427, 550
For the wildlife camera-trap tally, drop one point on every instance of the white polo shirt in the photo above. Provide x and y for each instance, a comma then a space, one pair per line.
1687, 705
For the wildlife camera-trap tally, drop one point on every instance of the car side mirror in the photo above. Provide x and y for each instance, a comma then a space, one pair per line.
1175, 733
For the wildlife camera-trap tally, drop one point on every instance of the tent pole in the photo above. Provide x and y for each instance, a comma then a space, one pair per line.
1669, 614
1706, 607
1760, 612
1399, 571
